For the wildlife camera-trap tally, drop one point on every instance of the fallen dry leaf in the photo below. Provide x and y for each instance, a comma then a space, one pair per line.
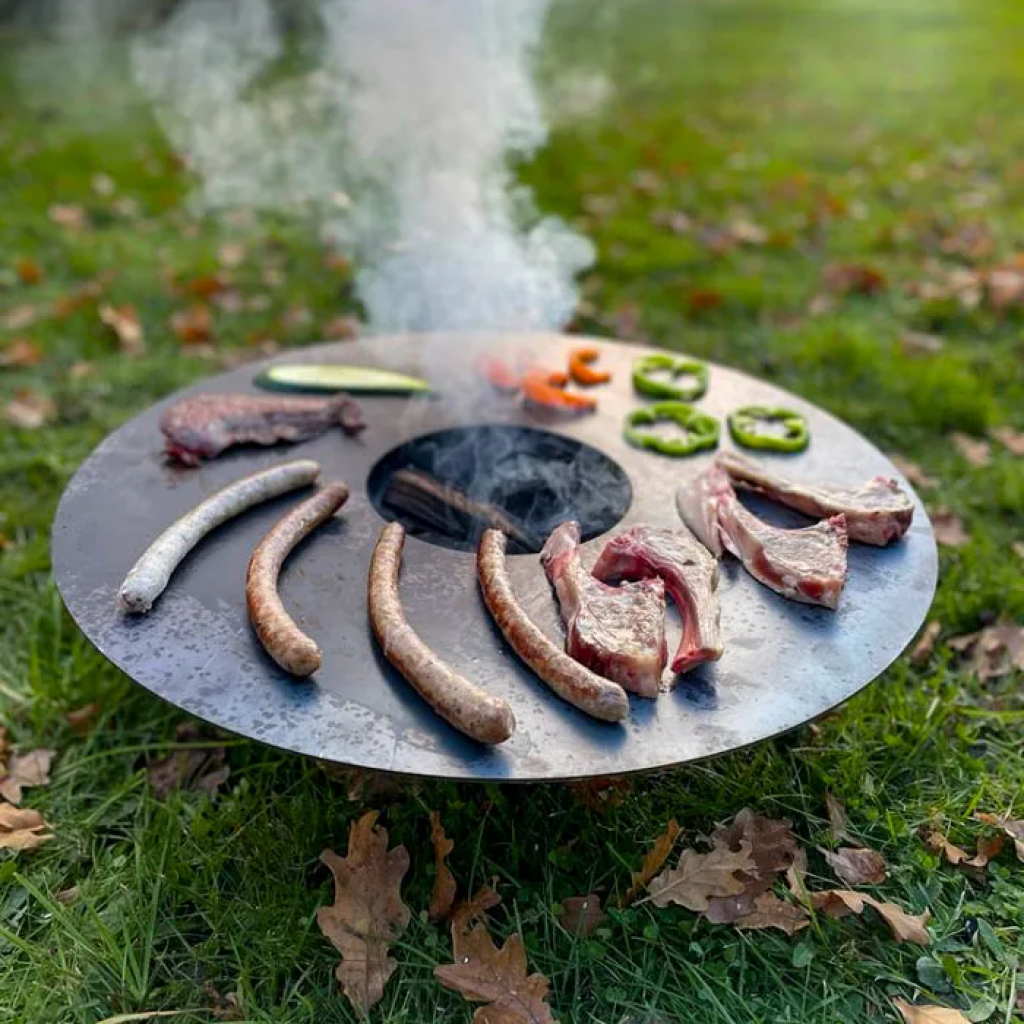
820, 305
977, 453
994, 651
19, 318
701, 300
68, 216
1010, 439
25, 770
29, 410
582, 915
972, 240
856, 866
81, 369
205, 286
468, 912
1013, 827
22, 828
917, 343
922, 650
443, 895
853, 279
1004, 287
82, 296
124, 322
229, 301
987, 850
771, 912
81, 719
483, 973
905, 927
341, 328
914, 473
368, 913
698, 877
201, 768
28, 271
949, 531
923, 1014
231, 255
837, 820
746, 232
21, 352
65, 897
653, 861
773, 848
193, 326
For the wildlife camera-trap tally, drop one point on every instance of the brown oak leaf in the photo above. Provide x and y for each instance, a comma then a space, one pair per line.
856, 866
29, 410
25, 770
21, 352
582, 915
1013, 827
771, 912
843, 902
697, 877
653, 861
200, 767
443, 895
977, 453
22, 828
987, 850
853, 279
1010, 439
922, 650
124, 322
193, 326
924, 1014
368, 913
949, 531
994, 651
483, 973
837, 820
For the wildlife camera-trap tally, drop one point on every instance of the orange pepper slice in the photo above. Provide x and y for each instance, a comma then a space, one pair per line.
580, 370
539, 392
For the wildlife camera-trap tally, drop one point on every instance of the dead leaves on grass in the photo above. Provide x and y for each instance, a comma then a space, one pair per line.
23, 771
582, 915
914, 473
977, 453
443, 895
855, 866
201, 767
987, 850
368, 914
21, 352
949, 530
652, 863
124, 322
922, 650
1010, 439
993, 652
923, 1014
22, 828
29, 410
838, 903
193, 326
698, 877
1013, 827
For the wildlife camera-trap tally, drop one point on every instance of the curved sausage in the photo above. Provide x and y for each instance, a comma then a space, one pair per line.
281, 637
152, 572
574, 683
469, 709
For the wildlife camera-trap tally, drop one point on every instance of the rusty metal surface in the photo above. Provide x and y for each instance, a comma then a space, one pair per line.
784, 663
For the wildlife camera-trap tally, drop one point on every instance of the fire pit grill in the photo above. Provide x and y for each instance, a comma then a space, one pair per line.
785, 664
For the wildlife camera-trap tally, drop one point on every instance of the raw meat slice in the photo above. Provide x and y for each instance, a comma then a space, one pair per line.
807, 565
617, 632
690, 575
697, 504
877, 512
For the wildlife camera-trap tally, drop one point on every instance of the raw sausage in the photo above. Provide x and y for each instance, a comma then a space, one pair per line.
469, 709
281, 637
151, 573
574, 683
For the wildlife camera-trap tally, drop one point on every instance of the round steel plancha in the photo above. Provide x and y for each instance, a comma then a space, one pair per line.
785, 664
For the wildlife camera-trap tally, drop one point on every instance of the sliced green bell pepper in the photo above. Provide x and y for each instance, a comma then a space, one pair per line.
657, 387
743, 425
701, 429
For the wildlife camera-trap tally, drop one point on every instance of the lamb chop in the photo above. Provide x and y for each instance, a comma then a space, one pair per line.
807, 565
877, 512
617, 632
690, 576
202, 426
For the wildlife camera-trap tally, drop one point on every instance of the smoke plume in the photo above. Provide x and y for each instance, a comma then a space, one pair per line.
400, 136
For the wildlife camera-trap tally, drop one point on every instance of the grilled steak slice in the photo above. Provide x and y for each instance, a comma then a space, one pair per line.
690, 575
203, 426
806, 565
877, 512
617, 632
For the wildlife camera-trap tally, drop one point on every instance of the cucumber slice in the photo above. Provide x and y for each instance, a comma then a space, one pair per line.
338, 377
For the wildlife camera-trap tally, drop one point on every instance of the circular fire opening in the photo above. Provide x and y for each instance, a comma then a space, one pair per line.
449, 486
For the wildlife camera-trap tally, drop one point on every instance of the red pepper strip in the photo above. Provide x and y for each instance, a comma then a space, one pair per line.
539, 392
581, 372
499, 374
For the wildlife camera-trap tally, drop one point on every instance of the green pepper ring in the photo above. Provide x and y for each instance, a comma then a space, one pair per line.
702, 430
742, 423
678, 367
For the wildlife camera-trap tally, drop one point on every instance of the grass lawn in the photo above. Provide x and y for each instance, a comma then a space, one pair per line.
881, 133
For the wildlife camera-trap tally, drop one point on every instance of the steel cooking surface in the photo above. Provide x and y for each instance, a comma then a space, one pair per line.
784, 663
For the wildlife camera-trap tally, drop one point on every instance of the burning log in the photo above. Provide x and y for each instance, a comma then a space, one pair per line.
447, 510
